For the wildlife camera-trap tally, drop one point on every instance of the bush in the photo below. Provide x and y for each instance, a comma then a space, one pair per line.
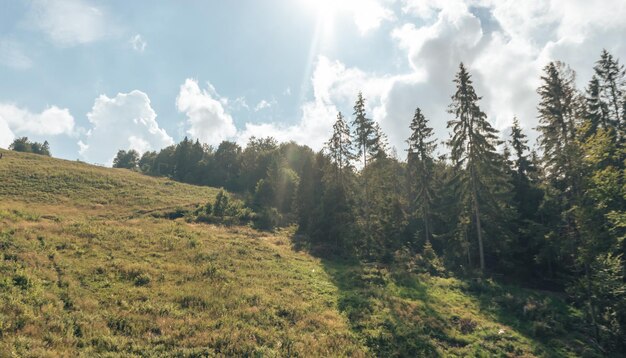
224, 211
426, 262
267, 219
24, 145
142, 280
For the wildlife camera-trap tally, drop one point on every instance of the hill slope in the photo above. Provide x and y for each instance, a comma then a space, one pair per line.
86, 270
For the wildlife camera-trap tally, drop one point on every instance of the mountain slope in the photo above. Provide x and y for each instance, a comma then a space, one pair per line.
86, 269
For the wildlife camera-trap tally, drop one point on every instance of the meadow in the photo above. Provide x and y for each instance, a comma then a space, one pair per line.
88, 269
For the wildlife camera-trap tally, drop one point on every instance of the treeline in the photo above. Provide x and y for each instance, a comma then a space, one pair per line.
265, 174
555, 218
22, 144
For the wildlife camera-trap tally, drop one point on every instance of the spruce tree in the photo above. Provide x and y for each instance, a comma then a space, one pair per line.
365, 136
473, 152
339, 146
527, 197
558, 119
364, 139
557, 124
596, 110
379, 144
421, 163
612, 87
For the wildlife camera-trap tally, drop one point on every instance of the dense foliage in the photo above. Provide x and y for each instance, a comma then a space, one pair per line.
22, 144
126, 159
553, 219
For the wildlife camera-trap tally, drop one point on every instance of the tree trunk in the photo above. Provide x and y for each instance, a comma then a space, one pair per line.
479, 230
367, 204
426, 224
592, 307
480, 236
467, 246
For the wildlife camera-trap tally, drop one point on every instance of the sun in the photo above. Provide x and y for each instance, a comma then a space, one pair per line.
324, 11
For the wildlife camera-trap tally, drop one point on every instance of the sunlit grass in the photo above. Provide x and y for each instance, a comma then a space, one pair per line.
85, 269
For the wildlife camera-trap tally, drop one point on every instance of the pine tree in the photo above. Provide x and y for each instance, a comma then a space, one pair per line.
421, 163
45, 148
379, 144
307, 196
365, 136
527, 197
339, 146
473, 152
596, 109
558, 124
612, 87
519, 143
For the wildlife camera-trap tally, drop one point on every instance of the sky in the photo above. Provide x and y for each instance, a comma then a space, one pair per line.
93, 77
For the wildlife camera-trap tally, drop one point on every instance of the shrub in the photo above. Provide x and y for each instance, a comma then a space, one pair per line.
142, 279
267, 219
224, 211
21, 281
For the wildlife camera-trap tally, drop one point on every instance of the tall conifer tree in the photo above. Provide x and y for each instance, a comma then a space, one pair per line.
421, 164
473, 152
339, 146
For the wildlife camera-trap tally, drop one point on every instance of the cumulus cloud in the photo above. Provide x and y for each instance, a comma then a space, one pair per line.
138, 43
207, 119
334, 86
12, 55
126, 121
318, 114
6, 135
16, 121
504, 43
69, 22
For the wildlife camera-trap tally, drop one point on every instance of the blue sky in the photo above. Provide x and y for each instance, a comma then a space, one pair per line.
93, 77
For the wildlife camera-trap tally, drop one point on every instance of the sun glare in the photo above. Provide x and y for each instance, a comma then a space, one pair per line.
324, 12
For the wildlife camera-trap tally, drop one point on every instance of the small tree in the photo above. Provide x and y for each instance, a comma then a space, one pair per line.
21, 144
126, 159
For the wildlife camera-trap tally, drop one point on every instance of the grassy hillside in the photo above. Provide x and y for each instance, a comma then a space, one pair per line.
85, 269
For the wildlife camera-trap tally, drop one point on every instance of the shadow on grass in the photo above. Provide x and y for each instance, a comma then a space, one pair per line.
555, 328
382, 312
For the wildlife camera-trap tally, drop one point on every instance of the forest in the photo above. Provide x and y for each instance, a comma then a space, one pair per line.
479, 205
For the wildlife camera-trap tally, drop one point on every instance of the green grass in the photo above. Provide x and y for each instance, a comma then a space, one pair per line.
87, 270
401, 314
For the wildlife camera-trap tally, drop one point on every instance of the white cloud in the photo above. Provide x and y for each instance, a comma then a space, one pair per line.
69, 22
312, 130
126, 121
263, 104
207, 120
16, 121
504, 43
6, 135
333, 85
505, 48
138, 43
239, 103
369, 14
12, 55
